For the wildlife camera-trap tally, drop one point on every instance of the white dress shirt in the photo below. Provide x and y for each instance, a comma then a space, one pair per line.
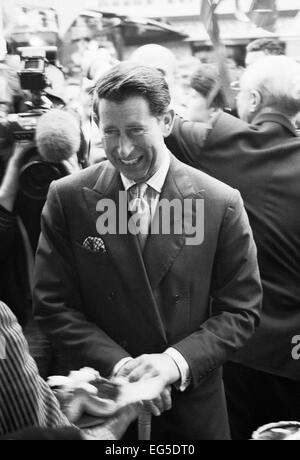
156, 183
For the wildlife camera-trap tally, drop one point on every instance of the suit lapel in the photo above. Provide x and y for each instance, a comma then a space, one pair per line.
162, 250
124, 249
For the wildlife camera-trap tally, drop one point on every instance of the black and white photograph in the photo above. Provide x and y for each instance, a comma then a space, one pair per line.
150, 222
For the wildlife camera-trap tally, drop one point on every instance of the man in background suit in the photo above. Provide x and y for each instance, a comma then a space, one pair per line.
262, 160
145, 304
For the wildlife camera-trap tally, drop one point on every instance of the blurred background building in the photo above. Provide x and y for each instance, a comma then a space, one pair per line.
236, 31
127, 24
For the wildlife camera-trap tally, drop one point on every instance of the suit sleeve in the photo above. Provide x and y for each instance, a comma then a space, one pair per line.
236, 296
215, 148
26, 399
45, 434
57, 297
187, 141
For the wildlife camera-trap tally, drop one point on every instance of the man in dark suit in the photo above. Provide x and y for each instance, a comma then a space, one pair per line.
175, 303
262, 160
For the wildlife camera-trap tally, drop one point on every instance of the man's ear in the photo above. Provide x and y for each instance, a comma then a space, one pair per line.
168, 122
95, 118
255, 100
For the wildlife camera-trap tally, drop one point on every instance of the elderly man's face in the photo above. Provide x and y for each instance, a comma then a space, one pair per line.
133, 138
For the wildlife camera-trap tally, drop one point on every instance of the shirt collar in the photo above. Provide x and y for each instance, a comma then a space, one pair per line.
157, 180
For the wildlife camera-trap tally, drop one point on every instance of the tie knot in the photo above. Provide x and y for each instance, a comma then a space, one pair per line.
138, 190
138, 198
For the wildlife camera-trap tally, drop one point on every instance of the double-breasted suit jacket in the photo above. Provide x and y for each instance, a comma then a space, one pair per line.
103, 306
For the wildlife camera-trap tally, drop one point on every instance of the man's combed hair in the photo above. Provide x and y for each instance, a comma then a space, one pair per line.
268, 45
128, 79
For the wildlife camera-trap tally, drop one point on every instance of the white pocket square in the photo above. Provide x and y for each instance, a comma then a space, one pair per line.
94, 244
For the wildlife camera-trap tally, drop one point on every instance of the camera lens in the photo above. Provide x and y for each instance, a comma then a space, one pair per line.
36, 177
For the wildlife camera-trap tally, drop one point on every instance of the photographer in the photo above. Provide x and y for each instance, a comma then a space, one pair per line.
15, 257
57, 151
40, 145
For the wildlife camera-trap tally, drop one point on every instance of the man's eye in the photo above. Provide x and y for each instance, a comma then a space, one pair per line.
137, 131
110, 133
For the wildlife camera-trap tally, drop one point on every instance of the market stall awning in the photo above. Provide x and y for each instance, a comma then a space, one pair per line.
135, 30
40, 25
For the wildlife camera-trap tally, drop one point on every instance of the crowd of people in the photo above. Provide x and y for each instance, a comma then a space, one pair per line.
202, 296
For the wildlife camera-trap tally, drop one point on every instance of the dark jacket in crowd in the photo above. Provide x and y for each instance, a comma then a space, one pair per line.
14, 285
14, 281
262, 161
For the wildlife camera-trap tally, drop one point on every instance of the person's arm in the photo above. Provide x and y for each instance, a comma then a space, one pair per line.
57, 297
25, 398
216, 148
10, 184
236, 300
45, 434
8, 192
112, 430
236, 294
187, 140
8, 228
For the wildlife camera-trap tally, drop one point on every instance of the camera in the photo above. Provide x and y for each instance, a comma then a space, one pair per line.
36, 174
33, 73
22, 126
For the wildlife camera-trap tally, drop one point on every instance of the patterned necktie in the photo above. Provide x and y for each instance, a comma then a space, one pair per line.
140, 208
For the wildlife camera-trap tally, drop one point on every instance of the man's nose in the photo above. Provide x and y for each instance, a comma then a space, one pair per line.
125, 147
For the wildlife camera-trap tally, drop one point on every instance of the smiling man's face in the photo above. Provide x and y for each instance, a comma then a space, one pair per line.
133, 137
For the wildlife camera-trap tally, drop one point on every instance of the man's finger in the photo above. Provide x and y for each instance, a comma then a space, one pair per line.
158, 403
142, 373
153, 408
162, 403
127, 368
136, 374
166, 399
